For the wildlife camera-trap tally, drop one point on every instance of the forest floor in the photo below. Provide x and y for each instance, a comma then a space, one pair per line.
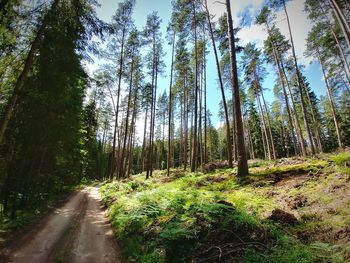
287, 210
78, 231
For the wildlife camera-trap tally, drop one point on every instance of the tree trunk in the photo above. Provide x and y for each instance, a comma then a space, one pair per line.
331, 101
150, 160
200, 137
252, 156
170, 104
181, 151
263, 136
342, 21
302, 103
122, 156
194, 148
149, 152
297, 121
264, 125
227, 117
313, 115
144, 144
280, 75
186, 127
259, 91
343, 59
120, 73
241, 152
133, 132
269, 126
205, 96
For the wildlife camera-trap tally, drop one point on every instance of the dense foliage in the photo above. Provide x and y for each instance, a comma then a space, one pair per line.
50, 142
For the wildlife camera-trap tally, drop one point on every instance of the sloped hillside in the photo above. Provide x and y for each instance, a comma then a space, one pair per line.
289, 210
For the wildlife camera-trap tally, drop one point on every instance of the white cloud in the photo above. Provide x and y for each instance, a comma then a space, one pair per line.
219, 124
218, 9
299, 23
300, 26
254, 33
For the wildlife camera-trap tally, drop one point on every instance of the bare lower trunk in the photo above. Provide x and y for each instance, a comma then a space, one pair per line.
200, 137
194, 148
241, 152
302, 103
313, 115
280, 75
227, 118
205, 99
123, 150
269, 126
170, 105
331, 101
144, 144
154, 120
186, 128
264, 126
300, 132
252, 154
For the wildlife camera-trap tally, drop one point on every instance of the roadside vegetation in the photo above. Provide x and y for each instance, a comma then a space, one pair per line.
288, 210
26, 218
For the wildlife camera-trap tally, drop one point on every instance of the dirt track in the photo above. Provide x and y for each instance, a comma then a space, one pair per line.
77, 232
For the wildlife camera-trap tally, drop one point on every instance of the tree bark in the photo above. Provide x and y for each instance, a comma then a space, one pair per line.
133, 132
264, 125
205, 96
227, 117
120, 73
313, 115
280, 75
302, 103
297, 121
331, 101
342, 21
122, 157
170, 105
259, 91
241, 152
144, 144
194, 148
200, 132
343, 59
186, 127
250, 141
149, 152
153, 120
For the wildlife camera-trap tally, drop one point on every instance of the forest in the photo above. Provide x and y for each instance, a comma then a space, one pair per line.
90, 104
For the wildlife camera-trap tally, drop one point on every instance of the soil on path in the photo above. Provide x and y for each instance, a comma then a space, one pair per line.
77, 232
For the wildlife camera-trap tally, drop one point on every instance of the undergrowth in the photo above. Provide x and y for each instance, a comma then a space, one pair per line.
196, 217
25, 217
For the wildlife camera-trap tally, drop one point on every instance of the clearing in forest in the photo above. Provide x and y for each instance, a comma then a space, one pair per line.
287, 210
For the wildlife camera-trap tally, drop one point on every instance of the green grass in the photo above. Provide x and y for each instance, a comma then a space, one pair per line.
340, 158
25, 217
175, 219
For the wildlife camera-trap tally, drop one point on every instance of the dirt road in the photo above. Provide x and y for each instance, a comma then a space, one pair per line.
77, 232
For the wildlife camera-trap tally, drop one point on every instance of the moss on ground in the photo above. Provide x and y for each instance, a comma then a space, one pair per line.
197, 217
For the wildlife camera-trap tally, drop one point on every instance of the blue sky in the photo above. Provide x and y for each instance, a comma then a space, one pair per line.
253, 33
